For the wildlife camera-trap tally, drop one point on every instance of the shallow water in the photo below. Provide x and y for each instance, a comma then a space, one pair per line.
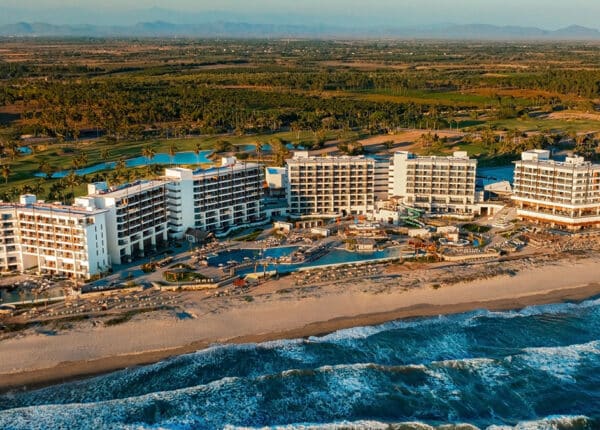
538, 368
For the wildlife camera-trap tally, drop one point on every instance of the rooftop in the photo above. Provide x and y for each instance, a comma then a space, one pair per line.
570, 163
74, 211
334, 159
129, 188
224, 169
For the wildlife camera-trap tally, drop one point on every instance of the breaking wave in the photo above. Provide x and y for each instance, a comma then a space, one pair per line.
538, 368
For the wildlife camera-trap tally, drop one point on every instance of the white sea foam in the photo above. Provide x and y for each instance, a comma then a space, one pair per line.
368, 331
342, 425
560, 361
550, 309
491, 371
555, 422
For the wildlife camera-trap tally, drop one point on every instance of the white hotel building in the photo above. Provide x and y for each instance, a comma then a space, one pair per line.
215, 199
434, 184
562, 194
53, 239
330, 186
136, 217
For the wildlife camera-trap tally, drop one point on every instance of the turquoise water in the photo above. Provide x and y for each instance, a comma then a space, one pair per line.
238, 255
336, 256
538, 368
181, 158
496, 174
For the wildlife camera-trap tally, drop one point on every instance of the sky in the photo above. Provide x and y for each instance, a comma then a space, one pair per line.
547, 14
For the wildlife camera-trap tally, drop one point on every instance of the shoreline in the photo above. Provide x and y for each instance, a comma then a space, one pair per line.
79, 369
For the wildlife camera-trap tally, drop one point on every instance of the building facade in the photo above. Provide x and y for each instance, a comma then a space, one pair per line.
330, 186
434, 184
215, 199
562, 194
53, 239
136, 217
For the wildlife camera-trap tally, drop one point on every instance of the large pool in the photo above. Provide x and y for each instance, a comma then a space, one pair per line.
336, 256
241, 255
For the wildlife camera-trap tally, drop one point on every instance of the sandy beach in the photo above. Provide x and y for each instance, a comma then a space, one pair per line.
278, 310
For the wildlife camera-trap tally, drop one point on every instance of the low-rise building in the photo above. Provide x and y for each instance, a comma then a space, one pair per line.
559, 193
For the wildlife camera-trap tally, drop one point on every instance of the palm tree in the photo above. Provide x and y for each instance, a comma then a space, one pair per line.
38, 187
105, 154
172, 151
120, 168
148, 153
197, 150
71, 181
258, 148
6, 171
279, 150
80, 161
46, 169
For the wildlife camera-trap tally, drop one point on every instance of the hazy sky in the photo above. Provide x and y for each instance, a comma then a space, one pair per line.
550, 14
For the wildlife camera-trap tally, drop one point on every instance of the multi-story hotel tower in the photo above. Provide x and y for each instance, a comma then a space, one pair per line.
563, 194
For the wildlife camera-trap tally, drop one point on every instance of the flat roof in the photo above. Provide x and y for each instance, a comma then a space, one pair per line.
223, 169
554, 163
78, 211
336, 159
130, 188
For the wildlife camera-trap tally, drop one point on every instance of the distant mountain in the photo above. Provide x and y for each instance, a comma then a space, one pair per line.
161, 28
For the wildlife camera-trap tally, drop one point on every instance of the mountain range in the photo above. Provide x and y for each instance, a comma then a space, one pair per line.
239, 29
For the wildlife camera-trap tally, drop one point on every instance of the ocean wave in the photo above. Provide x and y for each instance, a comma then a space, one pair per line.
561, 361
422, 372
364, 332
557, 422
536, 310
343, 425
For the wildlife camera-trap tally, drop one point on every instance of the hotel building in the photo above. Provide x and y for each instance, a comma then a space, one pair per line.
136, 217
434, 184
53, 239
215, 199
562, 194
330, 186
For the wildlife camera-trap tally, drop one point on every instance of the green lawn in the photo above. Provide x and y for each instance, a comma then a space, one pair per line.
60, 155
545, 124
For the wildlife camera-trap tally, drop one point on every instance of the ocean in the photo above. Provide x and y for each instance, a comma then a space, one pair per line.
538, 368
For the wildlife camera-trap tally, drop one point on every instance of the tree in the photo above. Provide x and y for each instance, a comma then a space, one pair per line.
105, 154
197, 150
6, 171
279, 150
80, 161
258, 148
120, 169
148, 153
46, 169
222, 145
172, 150
71, 181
